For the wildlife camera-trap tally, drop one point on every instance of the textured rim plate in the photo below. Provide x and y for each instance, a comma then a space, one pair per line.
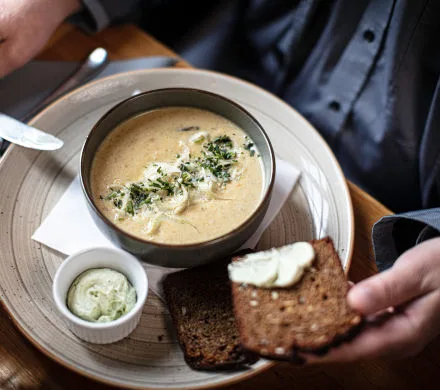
32, 182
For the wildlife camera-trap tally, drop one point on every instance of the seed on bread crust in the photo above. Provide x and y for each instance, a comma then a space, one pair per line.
356, 320
274, 295
311, 316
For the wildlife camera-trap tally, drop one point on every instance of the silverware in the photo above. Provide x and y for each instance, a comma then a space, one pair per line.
88, 68
16, 132
19, 133
92, 68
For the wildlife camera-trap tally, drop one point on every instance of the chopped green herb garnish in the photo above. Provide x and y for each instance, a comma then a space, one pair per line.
112, 195
249, 146
129, 208
213, 164
223, 140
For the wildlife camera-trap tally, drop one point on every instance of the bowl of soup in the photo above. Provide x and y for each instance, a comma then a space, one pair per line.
178, 177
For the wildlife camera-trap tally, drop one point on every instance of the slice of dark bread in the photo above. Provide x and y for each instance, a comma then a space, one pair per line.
311, 316
199, 300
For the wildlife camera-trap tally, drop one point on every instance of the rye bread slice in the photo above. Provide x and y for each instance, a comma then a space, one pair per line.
200, 303
311, 316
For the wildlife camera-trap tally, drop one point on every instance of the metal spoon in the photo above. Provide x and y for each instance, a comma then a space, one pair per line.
19, 133
89, 68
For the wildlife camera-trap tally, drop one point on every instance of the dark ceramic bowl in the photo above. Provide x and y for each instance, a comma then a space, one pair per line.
178, 255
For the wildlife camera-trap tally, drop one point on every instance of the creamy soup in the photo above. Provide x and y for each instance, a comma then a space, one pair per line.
177, 175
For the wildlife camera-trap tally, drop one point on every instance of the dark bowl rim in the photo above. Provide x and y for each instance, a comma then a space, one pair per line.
265, 199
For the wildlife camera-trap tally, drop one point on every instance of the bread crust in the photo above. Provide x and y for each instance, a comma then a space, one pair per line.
200, 304
310, 317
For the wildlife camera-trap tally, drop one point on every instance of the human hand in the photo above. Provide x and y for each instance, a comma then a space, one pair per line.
25, 27
412, 287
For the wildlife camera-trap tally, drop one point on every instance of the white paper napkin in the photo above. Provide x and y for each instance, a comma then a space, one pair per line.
70, 228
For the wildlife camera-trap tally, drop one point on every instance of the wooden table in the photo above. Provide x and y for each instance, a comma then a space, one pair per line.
22, 366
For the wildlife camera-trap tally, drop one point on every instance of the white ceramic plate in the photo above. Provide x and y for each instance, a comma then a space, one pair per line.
32, 182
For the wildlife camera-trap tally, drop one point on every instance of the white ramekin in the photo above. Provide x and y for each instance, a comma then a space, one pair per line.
117, 259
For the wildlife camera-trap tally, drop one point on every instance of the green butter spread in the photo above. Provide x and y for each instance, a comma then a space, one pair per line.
101, 295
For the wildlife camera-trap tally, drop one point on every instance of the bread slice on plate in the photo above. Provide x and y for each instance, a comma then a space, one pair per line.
310, 316
199, 300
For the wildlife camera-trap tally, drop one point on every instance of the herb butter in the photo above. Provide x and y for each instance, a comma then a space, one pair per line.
101, 295
276, 267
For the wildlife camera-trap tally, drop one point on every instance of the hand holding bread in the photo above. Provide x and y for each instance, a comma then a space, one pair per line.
401, 305
310, 316
320, 319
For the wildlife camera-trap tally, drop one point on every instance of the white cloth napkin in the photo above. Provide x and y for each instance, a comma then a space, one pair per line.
70, 228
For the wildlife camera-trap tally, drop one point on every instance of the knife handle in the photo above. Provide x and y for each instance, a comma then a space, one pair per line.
88, 69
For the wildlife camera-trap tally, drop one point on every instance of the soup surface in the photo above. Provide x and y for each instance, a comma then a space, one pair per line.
177, 175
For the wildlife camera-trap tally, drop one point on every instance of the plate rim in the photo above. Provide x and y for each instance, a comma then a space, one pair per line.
246, 374
231, 381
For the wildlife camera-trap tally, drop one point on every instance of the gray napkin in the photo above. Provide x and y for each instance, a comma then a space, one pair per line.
26, 87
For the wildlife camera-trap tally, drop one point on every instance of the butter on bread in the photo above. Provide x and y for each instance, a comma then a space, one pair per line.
310, 316
276, 267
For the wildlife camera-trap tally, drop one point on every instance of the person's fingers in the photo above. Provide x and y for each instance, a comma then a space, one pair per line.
374, 341
399, 335
6, 63
25, 27
407, 279
10, 58
424, 317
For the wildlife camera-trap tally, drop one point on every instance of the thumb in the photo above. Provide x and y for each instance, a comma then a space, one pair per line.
406, 280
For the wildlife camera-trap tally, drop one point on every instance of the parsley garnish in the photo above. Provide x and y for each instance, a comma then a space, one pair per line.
249, 146
217, 158
129, 208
